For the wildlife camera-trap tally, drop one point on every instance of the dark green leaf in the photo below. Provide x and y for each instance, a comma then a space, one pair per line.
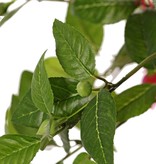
93, 32
65, 139
70, 106
98, 127
25, 83
135, 101
54, 68
104, 11
27, 114
63, 88
83, 158
140, 36
41, 91
17, 149
73, 51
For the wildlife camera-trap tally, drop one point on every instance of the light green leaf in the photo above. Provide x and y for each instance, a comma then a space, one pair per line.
135, 101
83, 158
17, 149
25, 83
92, 32
44, 128
27, 114
73, 51
9, 126
41, 91
140, 37
98, 127
54, 68
104, 11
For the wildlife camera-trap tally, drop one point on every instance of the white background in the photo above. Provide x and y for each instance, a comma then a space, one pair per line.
27, 35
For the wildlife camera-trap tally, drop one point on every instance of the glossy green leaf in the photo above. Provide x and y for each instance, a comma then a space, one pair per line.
83, 158
4, 7
103, 11
73, 51
17, 149
98, 127
41, 91
65, 139
140, 36
25, 83
70, 106
54, 68
27, 113
93, 32
120, 60
135, 101
63, 88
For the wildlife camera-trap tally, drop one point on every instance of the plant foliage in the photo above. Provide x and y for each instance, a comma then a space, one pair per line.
61, 93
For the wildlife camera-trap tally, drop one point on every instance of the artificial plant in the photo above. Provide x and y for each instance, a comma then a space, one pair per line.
61, 93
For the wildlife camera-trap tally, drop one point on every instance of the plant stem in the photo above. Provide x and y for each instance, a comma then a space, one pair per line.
145, 61
69, 154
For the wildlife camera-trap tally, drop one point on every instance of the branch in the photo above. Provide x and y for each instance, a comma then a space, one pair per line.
131, 73
69, 154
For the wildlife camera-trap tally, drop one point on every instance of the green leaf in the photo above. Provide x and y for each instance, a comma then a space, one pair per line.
92, 32
10, 14
70, 106
44, 128
73, 51
25, 83
84, 88
4, 7
54, 68
83, 158
98, 127
135, 101
9, 126
65, 139
41, 91
103, 11
63, 88
18, 149
27, 114
140, 36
